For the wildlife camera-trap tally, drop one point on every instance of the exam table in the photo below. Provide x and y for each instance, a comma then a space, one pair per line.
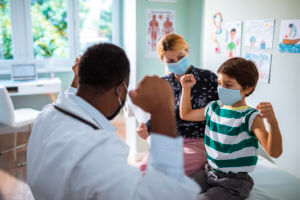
272, 182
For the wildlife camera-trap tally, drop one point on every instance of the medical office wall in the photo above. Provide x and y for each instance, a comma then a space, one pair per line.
188, 13
283, 90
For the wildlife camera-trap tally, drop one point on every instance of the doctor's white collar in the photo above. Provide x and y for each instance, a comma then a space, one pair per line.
94, 113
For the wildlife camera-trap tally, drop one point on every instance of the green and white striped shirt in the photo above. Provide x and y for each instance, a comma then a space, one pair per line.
230, 144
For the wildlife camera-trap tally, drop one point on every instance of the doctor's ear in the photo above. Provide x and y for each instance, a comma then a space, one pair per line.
122, 88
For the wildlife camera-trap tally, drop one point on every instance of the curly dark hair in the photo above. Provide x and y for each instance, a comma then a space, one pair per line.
103, 66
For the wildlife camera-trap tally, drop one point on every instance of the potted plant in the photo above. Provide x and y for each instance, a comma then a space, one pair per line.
47, 52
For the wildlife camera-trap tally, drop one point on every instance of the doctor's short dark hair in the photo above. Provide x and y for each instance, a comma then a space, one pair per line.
243, 71
103, 66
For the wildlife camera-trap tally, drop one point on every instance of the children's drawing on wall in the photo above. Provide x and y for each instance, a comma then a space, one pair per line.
159, 23
259, 34
232, 45
289, 40
217, 33
263, 63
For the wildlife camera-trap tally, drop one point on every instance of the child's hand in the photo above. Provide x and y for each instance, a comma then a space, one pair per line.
142, 131
267, 112
187, 81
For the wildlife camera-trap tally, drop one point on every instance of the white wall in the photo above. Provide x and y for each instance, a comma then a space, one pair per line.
284, 88
129, 10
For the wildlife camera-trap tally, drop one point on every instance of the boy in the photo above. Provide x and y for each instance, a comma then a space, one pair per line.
232, 131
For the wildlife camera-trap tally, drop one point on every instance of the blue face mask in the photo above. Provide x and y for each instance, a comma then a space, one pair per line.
228, 96
180, 67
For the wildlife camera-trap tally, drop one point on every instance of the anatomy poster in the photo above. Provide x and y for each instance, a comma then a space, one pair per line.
259, 34
289, 40
158, 23
263, 64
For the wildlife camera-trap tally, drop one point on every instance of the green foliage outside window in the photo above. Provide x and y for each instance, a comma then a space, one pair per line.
5, 32
49, 28
95, 22
105, 24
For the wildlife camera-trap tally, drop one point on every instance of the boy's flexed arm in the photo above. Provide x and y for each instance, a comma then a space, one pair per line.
272, 141
186, 111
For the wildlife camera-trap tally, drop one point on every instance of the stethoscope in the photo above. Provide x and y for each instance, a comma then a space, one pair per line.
76, 117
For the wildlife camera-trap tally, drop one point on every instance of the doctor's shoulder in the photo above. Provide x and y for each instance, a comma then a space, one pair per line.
45, 111
47, 107
46, 115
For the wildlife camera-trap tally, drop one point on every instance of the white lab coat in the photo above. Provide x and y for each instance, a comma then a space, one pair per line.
66, 159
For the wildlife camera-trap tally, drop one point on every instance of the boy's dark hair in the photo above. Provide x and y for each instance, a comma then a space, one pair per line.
103, 66
242, 70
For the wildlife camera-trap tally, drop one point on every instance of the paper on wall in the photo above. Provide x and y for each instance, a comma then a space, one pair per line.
259, 34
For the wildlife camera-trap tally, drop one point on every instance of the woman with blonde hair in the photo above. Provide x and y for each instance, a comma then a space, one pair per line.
173, 51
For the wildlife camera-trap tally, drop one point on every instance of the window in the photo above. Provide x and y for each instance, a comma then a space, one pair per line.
32, 30
94, 25
5, 32
49, 28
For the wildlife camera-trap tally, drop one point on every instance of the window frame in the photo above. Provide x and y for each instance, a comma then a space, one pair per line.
22, 38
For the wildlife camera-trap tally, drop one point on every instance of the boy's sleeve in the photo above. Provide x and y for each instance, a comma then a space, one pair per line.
253, 114
207, 108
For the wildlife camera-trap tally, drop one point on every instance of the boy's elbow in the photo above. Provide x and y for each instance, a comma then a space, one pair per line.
275, 154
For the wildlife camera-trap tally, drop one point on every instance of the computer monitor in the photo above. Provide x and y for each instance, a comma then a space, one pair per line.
23, 72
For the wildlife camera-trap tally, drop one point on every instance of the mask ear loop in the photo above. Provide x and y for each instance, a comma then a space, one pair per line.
124, 84
117, 93
126, 88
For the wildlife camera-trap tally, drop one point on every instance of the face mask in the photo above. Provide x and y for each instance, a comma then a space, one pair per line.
120, 107
180, 67
228, 96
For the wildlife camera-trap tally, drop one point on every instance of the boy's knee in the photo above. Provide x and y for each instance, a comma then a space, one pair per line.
201, 180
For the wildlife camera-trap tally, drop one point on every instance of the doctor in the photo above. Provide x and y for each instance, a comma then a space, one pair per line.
74, 153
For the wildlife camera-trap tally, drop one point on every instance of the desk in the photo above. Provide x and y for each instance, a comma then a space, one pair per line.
31, 87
